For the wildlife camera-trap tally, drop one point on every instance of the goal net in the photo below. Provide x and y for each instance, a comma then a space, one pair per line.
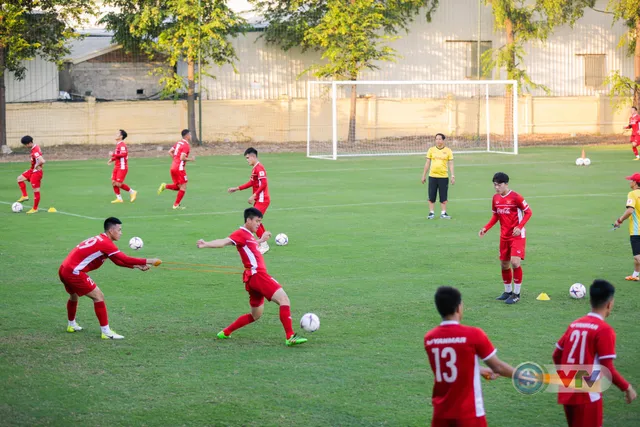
402, 117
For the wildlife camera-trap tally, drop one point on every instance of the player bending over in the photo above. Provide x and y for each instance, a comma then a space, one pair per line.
33, 174
120, 158
590, 340
89, 255
454, 351
257, 282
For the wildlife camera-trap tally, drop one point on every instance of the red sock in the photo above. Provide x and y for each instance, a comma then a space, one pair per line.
517, 276
72, 306
101, 313
506, 276
241, 321
125, 187
635, 151
23, 188
116, 190
260, 231
179, 197
36, 199
173, 187
285, 318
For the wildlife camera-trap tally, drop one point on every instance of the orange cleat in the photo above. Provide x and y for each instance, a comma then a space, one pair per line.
631, 278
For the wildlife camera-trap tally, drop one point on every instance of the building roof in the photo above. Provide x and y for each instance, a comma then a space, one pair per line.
95, 43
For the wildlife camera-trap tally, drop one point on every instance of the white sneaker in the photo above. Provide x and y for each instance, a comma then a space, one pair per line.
112, 335
263, 248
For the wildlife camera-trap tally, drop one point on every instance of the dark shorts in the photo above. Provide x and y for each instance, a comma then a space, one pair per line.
635, 245
438, 185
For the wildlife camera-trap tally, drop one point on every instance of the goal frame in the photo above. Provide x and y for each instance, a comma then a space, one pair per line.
334, 108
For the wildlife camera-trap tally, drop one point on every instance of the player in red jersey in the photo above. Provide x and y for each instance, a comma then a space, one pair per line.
513, 212
180, 153
589, 340
88, 256
454, 352
257, 282
121, 167
33, 174
260, 196
634, 125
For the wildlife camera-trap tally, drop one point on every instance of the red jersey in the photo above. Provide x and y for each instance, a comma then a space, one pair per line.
586, 341
454, 352
258, 181
634, 124
35, 153
510, 210
90, 254
247, 247
180, 147
121, 156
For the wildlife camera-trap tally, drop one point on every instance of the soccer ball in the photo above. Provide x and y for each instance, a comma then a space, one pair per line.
16, 207
310, 322
587, 161
136, 243
282, 239
577, 291
580, 161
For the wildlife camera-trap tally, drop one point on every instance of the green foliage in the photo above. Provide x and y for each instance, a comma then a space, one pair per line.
622, 91
29, 28
176, 30
629, 12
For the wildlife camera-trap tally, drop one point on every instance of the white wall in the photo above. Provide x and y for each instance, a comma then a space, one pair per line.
40, 82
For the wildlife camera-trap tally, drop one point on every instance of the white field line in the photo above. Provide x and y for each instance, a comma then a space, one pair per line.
41, 211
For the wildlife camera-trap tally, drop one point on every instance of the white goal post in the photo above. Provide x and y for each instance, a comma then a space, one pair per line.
402, 117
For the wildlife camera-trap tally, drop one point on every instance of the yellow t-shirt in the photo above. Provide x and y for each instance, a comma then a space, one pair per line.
440, 158
633, 201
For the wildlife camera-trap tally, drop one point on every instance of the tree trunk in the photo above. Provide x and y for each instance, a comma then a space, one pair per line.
511, 65
352, 114
191, 105
636, 66
3, 101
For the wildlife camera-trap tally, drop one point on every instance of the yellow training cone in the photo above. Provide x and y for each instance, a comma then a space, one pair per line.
52, 209
543, 297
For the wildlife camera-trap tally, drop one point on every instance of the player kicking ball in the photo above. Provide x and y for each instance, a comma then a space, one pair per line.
257, 282
89, 255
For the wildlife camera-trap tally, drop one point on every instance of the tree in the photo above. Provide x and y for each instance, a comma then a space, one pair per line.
353, 35
177, 30
30, 28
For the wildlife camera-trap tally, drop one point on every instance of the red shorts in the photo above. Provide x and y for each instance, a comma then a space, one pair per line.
178, 176
33, 177
119, 175
261, 286
514, 247
635, 139
80, 284
463, 422
589, 415
262, 207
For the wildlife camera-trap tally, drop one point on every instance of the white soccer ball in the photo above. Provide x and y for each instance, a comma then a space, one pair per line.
577, 291
16, 207
282, 239
310, 322
579, 161
587, 161
136, 243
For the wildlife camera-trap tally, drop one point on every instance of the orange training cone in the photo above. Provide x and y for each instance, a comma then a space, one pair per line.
583, 155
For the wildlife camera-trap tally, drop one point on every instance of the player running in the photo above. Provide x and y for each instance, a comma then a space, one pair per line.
260, 198
634, 125
633, 212
257, 282
33, 174
439, 160
513, 212
120, 158
180, 153
589, 340
89, 255
454, 351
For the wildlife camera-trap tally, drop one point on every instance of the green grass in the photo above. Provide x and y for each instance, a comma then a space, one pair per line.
361, 255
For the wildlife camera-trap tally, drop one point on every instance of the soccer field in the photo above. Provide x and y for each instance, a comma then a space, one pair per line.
361, 255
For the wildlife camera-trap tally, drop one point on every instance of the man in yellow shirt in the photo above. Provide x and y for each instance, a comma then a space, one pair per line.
439, 160
633, 212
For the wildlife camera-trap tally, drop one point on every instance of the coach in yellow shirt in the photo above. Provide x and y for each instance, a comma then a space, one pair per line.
439, 160
633, 212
